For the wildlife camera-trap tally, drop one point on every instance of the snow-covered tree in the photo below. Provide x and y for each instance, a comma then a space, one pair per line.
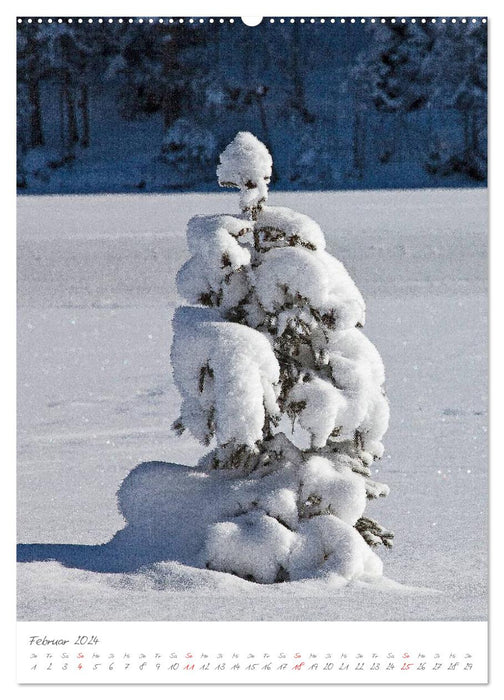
389, 78
162, 68
439, 69
72, 56
274, 335
457, 70
395, 66
32, 66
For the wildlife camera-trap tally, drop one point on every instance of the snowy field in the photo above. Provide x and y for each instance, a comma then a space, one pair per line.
96, 398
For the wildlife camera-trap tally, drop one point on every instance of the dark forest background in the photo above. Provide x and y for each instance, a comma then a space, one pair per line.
147, 106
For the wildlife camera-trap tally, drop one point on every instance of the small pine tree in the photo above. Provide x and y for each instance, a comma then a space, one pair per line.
273, 339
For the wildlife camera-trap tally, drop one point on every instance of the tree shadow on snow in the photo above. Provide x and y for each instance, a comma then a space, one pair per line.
164, 522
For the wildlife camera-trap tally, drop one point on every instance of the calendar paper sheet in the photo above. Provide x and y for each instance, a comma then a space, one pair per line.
252, 350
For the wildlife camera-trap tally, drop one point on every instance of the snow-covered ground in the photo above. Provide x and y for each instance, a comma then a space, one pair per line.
96, 397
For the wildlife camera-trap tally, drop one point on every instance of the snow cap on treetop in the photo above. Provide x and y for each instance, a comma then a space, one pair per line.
246, 164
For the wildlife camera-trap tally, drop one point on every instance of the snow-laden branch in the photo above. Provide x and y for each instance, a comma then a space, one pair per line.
226, 374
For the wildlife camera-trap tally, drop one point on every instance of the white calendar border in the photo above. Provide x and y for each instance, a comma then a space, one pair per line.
258, 652
233, 8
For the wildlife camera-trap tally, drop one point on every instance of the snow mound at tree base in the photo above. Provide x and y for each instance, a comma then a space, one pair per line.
214, 520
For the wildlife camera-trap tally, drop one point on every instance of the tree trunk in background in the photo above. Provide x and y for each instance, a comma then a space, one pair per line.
264, 123
36, 132
171, 95
474, 131
401, 144
358, 145
467, 132
62, 120
297, 75
245, 58
171, 105
265, 130
73, 133
84, 111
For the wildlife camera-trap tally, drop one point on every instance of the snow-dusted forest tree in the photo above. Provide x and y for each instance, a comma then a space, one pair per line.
391, 104
438, 70
271, 363
457, 69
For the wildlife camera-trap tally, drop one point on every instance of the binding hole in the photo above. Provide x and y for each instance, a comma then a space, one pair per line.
251, 21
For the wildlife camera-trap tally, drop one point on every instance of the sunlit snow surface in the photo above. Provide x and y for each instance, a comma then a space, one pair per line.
96, 398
